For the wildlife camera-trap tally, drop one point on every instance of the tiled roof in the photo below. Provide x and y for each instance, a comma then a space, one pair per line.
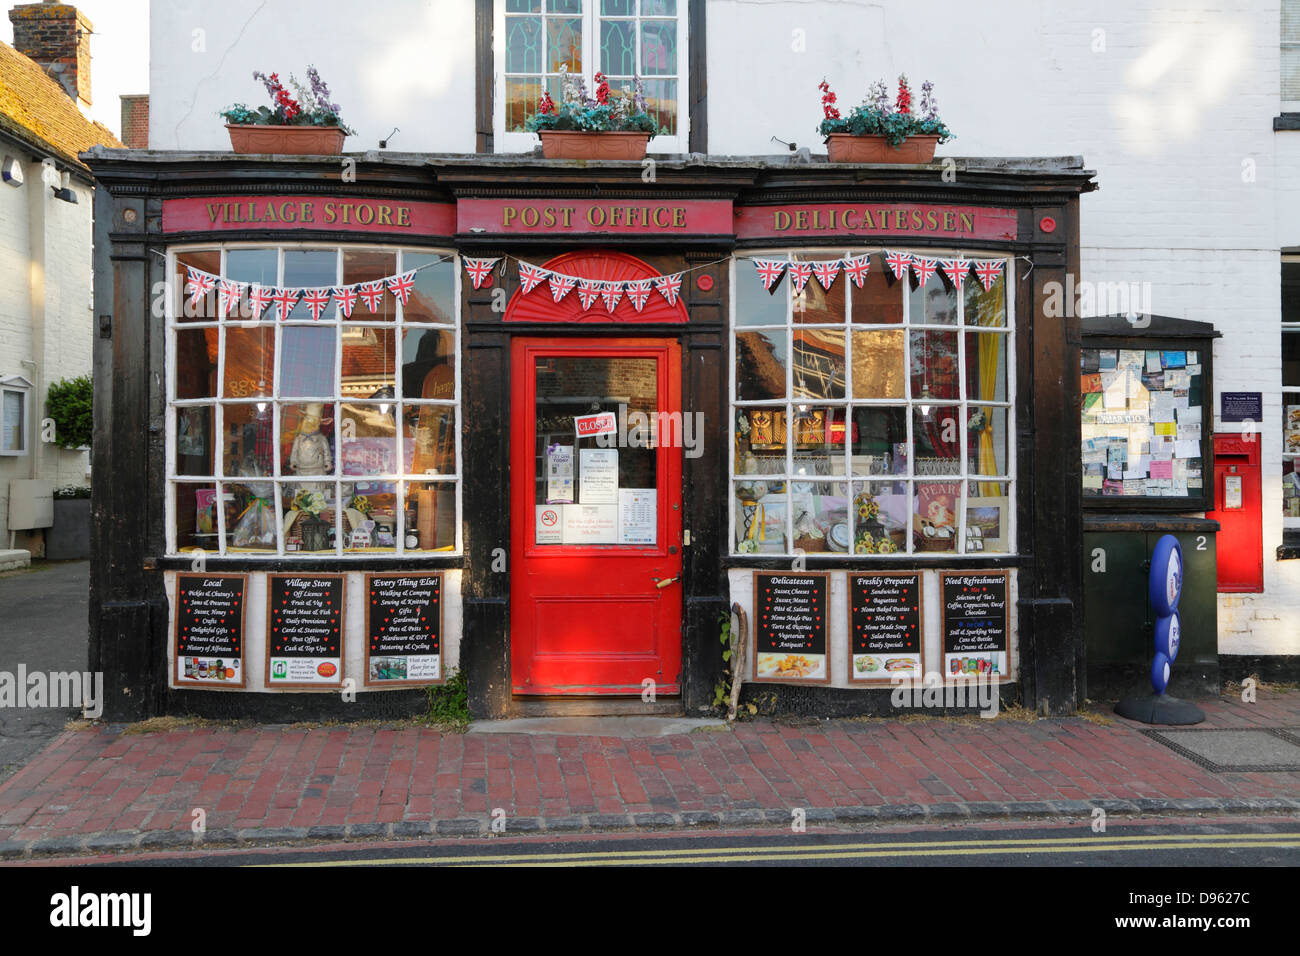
37, 110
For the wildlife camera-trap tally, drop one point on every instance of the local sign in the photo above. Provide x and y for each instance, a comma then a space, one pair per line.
225, 213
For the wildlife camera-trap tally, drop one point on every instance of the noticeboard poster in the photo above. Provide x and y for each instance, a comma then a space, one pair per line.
403, 629
304, 630
975, 624
885, 625
209, 637
790, 627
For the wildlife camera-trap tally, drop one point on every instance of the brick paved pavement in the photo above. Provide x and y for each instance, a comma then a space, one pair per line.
100, 787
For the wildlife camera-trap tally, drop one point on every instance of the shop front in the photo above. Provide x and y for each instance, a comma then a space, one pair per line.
546, 423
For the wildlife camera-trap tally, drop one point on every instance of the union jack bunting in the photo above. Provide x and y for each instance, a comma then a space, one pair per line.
316, 301
800, 273
346, 297
561, 285
987, 271
285, 300
229, 292
669, 286
611, 292
530, 277
826, 271
956, 270
770, 271
402, 285
898, 263
259, 297
198, 284
372, 294
923, 268
479, 270
638, 293
856, 269
588, 292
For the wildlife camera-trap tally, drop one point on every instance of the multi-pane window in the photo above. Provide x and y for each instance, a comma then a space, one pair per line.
336, 435
624, 39
1291, 390
1290, 53
873, 421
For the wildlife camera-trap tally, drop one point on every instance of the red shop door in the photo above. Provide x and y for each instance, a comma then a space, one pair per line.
595, 517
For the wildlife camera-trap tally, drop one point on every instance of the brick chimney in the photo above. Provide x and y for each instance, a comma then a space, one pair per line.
135, 121
56, 36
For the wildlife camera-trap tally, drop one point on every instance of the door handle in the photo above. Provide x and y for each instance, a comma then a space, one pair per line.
665, 582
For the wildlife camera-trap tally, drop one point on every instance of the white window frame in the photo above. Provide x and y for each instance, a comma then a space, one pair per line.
1287, 106
511, 142
743, 260
1289, 392
276, 479
17, 385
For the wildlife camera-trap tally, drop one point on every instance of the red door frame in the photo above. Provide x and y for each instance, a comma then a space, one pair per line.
618, 579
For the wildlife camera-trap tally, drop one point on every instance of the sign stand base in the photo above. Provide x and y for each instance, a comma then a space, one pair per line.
1160, 709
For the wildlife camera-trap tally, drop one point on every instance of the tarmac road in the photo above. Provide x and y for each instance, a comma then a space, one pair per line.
43, 625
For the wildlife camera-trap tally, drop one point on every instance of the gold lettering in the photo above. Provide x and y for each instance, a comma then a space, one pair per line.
845, 219
508, 213
663, 211
780, 220
287, 212
529, 216
948, 220
916, 219
817, 219
615, 216
346, 209
900, 219
214, 210
967, 221
548, 217
567, 213
679, 217
306, 212
867, 221
270, 213
330, 213
403, 215
931, 220
832, 213
385, 215
801, 219
596, 216
365, 214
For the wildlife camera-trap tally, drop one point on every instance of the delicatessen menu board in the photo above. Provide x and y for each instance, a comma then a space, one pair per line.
304, 630
974, 624
790, 627
210, 629
1141, 422
403, 629
885, 626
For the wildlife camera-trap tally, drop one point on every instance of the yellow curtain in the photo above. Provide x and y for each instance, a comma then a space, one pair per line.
990, 348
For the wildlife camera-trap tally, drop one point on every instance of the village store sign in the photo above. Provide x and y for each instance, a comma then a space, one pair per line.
202, 214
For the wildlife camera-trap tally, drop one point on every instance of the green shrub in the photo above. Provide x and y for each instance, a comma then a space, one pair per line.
68, 402
449, 703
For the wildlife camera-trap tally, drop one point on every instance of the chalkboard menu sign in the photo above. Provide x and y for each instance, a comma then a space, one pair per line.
304, 630
210, 629
974, 623
403, 629
885, 626
790, 627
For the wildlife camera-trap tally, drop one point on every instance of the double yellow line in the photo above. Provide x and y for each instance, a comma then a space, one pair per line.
1092, 843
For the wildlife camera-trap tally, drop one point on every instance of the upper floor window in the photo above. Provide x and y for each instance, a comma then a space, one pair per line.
1290, 55
624, 39
1291, 391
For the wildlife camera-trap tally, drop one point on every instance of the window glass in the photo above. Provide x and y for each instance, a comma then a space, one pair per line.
250, 361
434, 297
13, 438
185, 306
366, 265
311, 269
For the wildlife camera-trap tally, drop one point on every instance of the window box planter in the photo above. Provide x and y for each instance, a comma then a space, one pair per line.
847, 148
581, 144
291, 140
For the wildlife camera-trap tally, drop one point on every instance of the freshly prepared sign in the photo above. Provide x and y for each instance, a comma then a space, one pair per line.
623, 216
403, 629
220, 213
210, 629
884, 625
790, 627
974, 623
304, 646
875, 219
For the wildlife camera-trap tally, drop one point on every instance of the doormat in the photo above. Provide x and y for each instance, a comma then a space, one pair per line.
1239, 750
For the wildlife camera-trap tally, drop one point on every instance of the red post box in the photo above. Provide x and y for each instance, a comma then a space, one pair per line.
1238, 509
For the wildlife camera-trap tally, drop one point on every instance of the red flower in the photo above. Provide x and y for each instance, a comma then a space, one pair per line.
546, 104
904, 104
602, 89
828, 101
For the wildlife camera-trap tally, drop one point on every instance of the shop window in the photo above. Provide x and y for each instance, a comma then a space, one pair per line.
1291, 391
623, 39
311, 435
872, 420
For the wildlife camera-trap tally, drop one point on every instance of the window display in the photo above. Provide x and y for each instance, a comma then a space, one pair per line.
286, 408
926, 395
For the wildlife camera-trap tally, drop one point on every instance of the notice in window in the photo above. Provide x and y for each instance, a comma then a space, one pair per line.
598, 476
638, 515
559, 474
589, 524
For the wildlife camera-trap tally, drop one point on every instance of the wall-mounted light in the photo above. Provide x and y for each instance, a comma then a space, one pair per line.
11, 171
64, 193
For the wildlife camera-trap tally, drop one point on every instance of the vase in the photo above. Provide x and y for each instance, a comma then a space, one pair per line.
292, 140
847, 148
581, 144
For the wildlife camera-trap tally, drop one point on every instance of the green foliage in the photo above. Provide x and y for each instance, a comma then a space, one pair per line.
68, 402
449, 703
598, 118
243, 115
722, 689
71, 491
866, 120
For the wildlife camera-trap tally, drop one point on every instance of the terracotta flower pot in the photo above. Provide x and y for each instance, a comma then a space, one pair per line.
847, 148
293, 140
581, 144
